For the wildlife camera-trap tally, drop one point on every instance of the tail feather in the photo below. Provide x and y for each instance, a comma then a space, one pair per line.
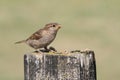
20, 42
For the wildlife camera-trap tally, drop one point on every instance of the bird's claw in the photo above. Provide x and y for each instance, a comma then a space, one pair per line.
52, 49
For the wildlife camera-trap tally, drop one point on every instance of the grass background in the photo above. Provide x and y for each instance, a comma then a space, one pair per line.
93, 24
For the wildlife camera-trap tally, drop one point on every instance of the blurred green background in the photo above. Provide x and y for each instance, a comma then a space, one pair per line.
93, 24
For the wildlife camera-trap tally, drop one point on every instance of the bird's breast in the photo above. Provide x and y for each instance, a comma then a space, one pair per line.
47, 37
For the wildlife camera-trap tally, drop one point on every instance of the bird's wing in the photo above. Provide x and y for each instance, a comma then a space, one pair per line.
35, 36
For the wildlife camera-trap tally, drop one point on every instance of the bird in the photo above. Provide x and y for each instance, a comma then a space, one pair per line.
43, 37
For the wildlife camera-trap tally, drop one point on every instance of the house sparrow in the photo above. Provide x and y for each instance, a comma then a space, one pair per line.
43, 37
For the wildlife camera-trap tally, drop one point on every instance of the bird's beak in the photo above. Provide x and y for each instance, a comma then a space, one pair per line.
59, 26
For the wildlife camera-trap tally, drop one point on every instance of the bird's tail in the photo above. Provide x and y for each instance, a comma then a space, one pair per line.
20, 42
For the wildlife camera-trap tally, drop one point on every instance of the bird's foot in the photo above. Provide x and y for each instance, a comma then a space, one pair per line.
52, 49
48, 50
45, 50
36, 51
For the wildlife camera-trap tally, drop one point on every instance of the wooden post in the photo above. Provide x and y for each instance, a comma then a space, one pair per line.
76, 65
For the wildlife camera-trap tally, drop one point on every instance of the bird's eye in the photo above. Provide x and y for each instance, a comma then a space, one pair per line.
53, 25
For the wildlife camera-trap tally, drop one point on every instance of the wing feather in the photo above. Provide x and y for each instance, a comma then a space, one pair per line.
35, 36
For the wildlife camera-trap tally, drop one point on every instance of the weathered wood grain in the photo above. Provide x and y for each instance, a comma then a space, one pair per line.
60, 66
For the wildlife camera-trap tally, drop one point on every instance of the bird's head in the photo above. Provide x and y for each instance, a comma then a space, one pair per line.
52, 27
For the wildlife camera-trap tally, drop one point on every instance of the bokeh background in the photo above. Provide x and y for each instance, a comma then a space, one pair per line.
92, 24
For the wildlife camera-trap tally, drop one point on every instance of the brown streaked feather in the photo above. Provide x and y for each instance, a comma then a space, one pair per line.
36, 35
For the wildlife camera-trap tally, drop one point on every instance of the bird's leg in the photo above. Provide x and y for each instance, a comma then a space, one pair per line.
46, 49
37, 51
52, 48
